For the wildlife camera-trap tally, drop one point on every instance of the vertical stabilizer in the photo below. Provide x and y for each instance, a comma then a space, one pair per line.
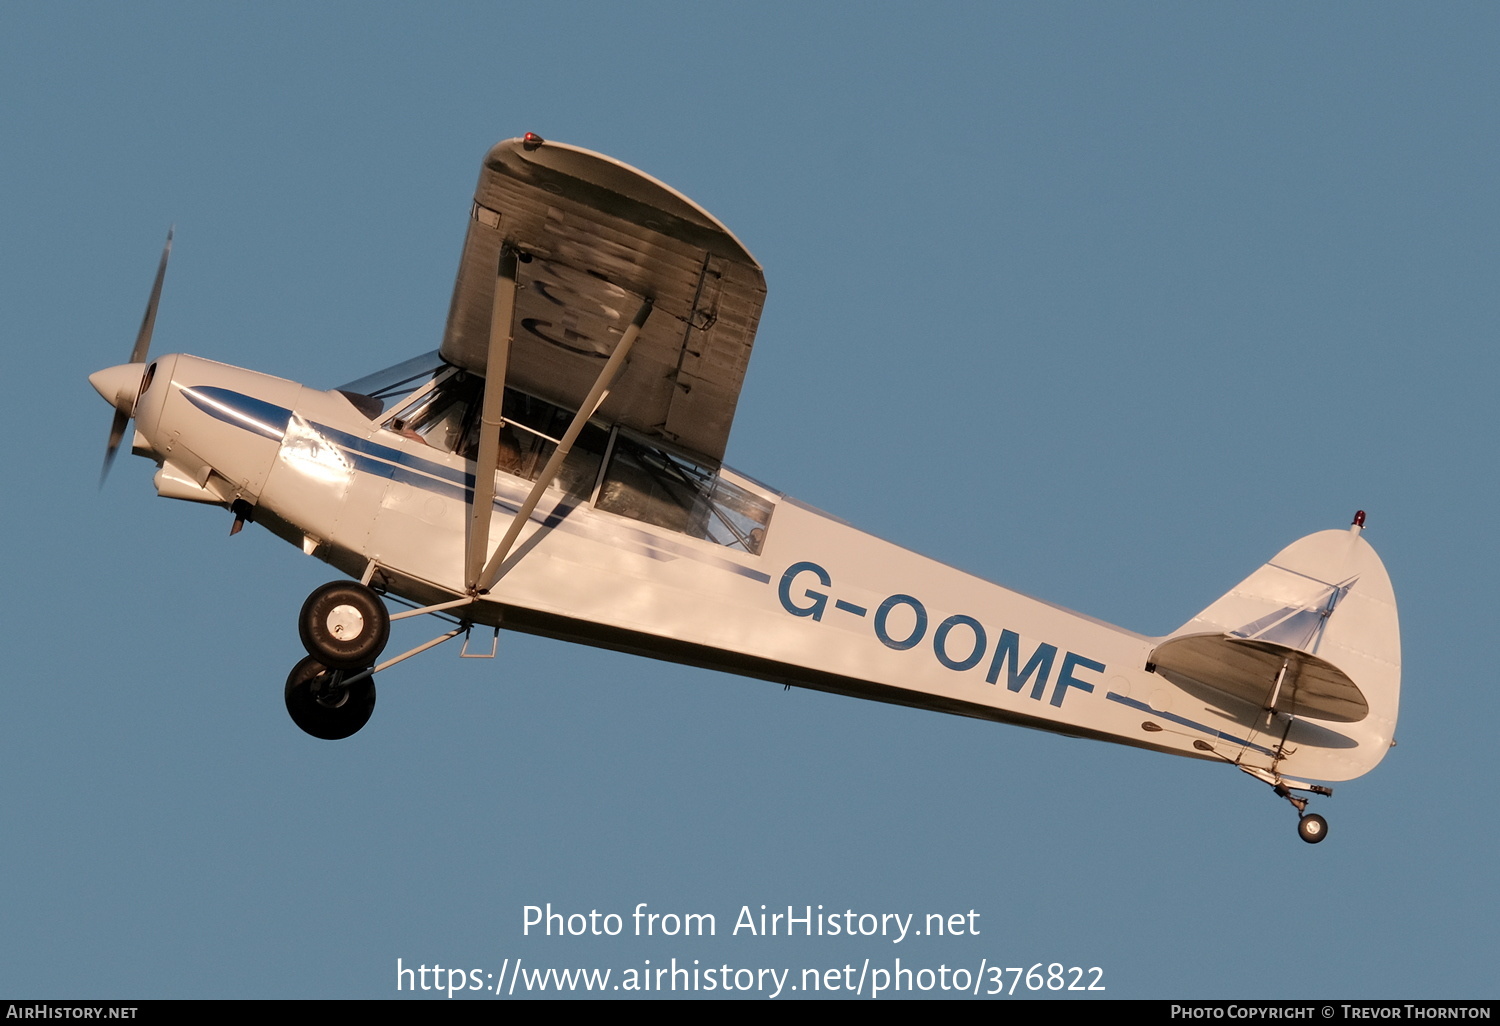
1312, 635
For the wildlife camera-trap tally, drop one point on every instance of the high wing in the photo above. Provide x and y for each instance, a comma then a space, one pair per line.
594, 239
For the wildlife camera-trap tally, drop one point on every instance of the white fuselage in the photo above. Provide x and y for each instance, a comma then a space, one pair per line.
821, 605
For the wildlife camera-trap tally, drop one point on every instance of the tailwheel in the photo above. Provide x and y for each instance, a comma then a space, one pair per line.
322, 705
344, 625
1312, 828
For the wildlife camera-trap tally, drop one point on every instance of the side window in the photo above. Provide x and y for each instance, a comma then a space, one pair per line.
532, 429
442, 419
656, 487
644, 483
448, 420
738, 518
641, 482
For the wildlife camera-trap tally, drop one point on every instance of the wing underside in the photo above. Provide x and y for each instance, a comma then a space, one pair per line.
595, 239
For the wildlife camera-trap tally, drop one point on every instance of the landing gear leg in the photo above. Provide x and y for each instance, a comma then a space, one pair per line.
344, 627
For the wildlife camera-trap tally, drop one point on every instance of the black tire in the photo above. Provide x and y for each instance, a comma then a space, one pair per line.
344, 625
1312, 828
323, 709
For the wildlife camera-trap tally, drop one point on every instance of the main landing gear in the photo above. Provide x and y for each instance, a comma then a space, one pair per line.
344, 627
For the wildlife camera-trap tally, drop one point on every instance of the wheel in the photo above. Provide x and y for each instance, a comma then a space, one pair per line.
344, 625
323, 709
1312, 828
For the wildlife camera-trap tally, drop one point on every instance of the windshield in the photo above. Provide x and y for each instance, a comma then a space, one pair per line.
375, 393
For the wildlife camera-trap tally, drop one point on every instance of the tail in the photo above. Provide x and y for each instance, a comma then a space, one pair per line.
1310, 636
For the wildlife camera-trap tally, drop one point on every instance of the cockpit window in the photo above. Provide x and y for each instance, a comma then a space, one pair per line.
533, 428
642, 482
375, 393
656, 487
442, 418
447, 419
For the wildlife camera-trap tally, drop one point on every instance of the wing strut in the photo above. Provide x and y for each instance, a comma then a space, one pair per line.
590, 405
502, 324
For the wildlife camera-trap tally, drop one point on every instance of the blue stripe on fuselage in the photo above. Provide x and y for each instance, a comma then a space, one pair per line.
254, 415
375, 458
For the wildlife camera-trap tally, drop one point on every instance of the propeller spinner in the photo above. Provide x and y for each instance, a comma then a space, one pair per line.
122, 385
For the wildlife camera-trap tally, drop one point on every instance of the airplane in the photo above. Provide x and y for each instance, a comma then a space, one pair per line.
555, 468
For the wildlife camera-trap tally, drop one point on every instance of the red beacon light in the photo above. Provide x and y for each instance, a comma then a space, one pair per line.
1359, 518
531, 141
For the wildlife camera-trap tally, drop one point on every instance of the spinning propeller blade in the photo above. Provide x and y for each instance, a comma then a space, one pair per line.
137, 356
148, 323
116, 432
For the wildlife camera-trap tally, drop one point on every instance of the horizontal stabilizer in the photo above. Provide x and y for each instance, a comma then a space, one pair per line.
1311, 634
1263, 673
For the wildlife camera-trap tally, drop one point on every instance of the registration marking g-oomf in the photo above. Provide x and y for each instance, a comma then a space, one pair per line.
959, 643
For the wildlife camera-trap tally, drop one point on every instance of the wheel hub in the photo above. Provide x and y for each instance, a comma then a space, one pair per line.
327, 693
333, 698
345, 622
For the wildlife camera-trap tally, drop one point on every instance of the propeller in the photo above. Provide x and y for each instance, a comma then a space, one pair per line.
122, 385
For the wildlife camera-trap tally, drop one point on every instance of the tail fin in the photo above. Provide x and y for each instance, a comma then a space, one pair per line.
1312, 634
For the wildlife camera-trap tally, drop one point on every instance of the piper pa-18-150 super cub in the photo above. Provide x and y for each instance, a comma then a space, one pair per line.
555, 468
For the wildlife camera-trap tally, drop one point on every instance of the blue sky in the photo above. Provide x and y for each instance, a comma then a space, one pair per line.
1106, 303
